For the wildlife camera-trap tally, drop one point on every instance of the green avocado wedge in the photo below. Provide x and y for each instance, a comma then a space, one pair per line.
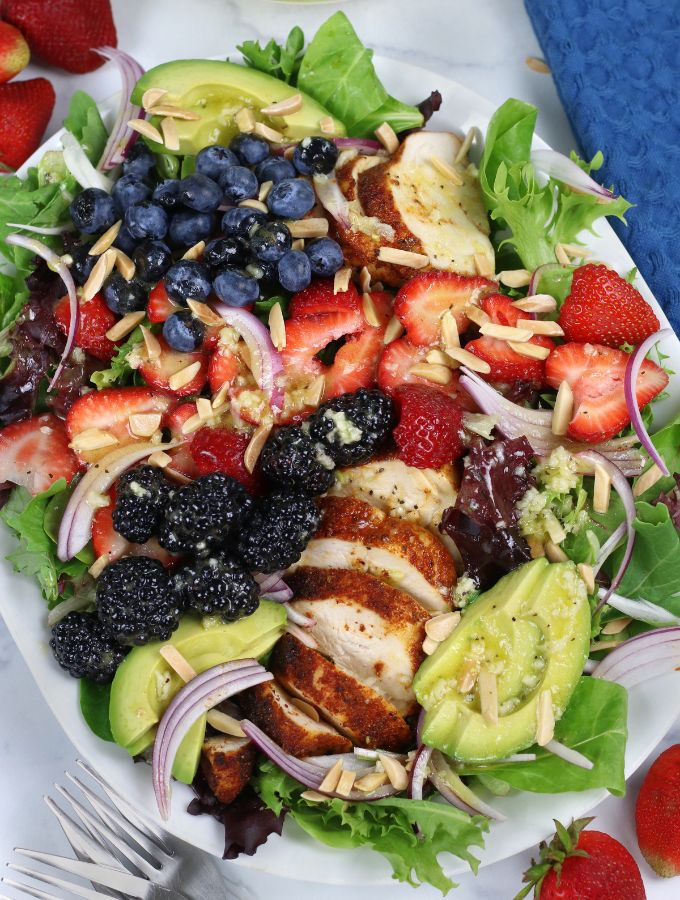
145, 684
532, 631
215, 91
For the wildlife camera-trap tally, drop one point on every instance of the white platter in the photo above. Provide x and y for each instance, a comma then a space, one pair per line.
653, 707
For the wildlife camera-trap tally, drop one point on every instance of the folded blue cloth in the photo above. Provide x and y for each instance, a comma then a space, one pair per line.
617, 70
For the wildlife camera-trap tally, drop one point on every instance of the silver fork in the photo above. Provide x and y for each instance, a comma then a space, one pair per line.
121, 855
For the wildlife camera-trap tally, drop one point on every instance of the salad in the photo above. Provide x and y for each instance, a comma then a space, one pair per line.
332, 450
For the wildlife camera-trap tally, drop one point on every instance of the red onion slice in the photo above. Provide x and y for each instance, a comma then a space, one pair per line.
456, 792
561, 168
418, 773
635, 362
642, 657
367, 145
332, 199
642, 610
609, 546
121, 138
55, 262
532, 289
37, 229
80, 166
569, 755
298, 618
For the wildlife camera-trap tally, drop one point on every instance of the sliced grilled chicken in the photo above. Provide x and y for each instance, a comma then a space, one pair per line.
271, 709
356, 710
227, 763
366, 627
355, 535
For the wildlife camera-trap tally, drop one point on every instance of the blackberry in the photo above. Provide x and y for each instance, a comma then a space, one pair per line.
278, 531
136, 601
291, 460
141, 497
353, 426
84, 647
218, 586
201, 515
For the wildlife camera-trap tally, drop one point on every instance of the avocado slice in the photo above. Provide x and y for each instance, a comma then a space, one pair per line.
145, 684
216, 90
533, 630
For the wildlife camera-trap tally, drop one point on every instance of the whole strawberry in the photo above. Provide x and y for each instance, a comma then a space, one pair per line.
583, 865
657, 814
604, 308
64, 32
25, 110
14, 52
429, 433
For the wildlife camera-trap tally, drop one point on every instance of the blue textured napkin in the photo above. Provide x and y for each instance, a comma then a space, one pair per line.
617, 70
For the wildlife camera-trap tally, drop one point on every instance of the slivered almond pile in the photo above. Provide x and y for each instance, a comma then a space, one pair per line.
141, 126
434, 373
124, 326
184, 376
437, 629
92, 439
465, 358
105, 240
505, 332
536, 303
515, 278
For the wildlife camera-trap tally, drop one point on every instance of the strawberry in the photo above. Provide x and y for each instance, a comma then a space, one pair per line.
222, 450
25, 110
583, 865
160, 306
656, 814
35, 453
604, 308
319, 298
222, 368
429, 433
424, 299
355, 364
107, 542
157, 371
94, 321
182, 460
305, 337
14, 52
596, 377
64, 32
394, 370
500, 310
109, 411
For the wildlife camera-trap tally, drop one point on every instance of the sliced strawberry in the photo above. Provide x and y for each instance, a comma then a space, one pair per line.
595, 374
109, 411
94, 321
318, 299
307, 336
423, 300
355, 365
35, 453
182, 460
501, 311
107, 542
505, 363
394, 370
222, 369
383, 303
160, 306
157, 371
223, 450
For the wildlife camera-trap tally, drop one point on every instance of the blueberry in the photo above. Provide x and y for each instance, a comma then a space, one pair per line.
189, 227
325, 256
146, 220
291, 198
128, 190
236, 287
152, 260
238, 183
232, 251
315, 156
123, 297
166, 194
187, 279
125, 242
275, 169
295, 272
82, 263
183, 331
93, 210
140, 161
267, 273
250, 148
241, 221
200, 193
271, 241
213, 161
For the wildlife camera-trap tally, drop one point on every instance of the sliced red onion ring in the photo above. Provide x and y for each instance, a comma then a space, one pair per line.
350, 761
537, 274
332, 199
420, 724
121, 138
641, 610
518, 757
80, 600
55, 262
561, 168
37, 229
302, 635
609, 546
269, 581
635, 362
569, 755
366, 145
298, 618
76, 524
265, 359
456, 792
418, 773
80, 166
642, 657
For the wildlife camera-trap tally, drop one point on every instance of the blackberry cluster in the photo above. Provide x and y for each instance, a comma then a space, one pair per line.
278, 531
353, 426
136, 601
217, 585
86, 648
290, 459
142, 494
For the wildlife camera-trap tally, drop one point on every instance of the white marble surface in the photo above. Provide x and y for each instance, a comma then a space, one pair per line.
481, 43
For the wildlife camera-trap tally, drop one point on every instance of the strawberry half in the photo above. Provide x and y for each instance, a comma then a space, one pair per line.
94, 321
319, 298
182, 460
157, 371
159, 306
595, 374
35, 453
223, 450
423, 300
306, 336
604, 308
356, 363
394, 370
222, 369
107, 542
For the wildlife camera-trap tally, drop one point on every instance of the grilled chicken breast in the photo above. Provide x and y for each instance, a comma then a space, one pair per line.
366, 627
227, 763
355, 535
271, 709
356, 710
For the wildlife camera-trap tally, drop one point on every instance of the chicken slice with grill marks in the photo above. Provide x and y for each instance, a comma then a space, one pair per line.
366, 627
227, 763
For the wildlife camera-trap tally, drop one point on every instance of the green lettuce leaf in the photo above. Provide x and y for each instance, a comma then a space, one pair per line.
120, 372
85, 124
281, 61
386, 826
94, 705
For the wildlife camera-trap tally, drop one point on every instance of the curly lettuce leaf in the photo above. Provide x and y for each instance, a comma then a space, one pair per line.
281, 61
120, 371
85, 124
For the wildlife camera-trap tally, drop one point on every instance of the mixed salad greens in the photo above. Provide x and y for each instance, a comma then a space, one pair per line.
536, 531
